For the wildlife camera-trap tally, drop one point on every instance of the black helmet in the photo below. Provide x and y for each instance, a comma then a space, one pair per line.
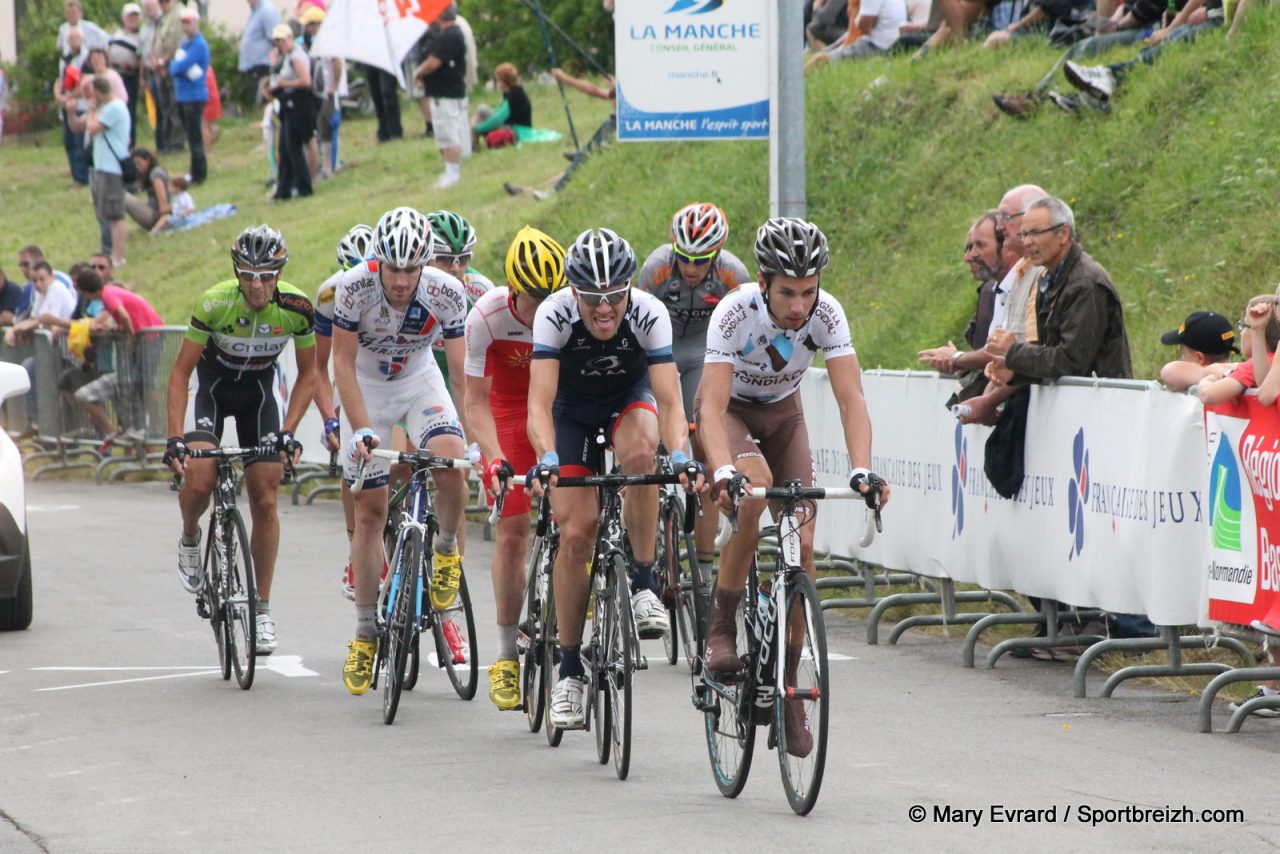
259, 246
599, 260
790, 246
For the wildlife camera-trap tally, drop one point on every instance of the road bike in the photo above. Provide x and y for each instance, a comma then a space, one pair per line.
782, 641
404, 613
227, 598
682, 583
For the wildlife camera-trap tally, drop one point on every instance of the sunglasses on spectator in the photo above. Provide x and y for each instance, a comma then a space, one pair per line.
611, 297
1036, 232
455, 260
696, 260
266, 277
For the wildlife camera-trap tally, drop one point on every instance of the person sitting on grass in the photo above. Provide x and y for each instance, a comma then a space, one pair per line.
514, 113
1205, 343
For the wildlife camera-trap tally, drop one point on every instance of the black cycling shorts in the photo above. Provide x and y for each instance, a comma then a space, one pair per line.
577, 422
250, 398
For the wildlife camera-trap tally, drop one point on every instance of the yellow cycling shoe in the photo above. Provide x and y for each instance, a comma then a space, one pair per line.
445, 578
504, 684
358, 671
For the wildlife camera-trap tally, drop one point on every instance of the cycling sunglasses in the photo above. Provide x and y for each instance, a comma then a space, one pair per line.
614, 297
266, 277
454, 260
696, 260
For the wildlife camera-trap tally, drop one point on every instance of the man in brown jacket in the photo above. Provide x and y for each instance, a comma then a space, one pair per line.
1079, 317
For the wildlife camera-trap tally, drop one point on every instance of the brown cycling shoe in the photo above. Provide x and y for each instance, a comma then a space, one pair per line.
722, 635
799, 739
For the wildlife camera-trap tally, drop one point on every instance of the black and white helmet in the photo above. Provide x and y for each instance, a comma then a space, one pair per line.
790, 246
600, 260
259, 246
403, 238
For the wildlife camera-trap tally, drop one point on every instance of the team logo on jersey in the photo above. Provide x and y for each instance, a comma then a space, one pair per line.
415, 312
242, 321
264, 328
393, 367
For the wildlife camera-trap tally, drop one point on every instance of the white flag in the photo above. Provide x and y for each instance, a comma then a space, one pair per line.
375, 32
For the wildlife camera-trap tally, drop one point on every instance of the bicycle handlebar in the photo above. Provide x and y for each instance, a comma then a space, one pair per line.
232, 453
420, 459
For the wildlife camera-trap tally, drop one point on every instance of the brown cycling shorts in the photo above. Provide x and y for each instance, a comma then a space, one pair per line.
772, 431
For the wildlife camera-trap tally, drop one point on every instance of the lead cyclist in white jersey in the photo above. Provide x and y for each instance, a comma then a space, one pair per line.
387, 314
762, 340
691, 275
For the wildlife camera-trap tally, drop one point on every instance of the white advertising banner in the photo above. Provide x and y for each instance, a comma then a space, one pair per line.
692, 69
1111, 513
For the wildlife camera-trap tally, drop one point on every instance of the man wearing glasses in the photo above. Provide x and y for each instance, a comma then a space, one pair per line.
690, 275
1079, 317
238, 330
601, 360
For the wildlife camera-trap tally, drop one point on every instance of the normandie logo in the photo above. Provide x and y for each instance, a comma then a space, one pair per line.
688, 6
1224, 498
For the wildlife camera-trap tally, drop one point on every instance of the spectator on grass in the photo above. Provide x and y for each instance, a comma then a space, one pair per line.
443, 75
108, 126
1100, 82
151, 17
99, 67
1042, 16
328, 84
189, 67
828, 23
10, 299
124, 53
1141, 20
254, 58
514, 113
91, 34
1205, 342
153, 179
70, 103
290, 85
1079, 317
874, 33
1258, 347
984, 253
164, 46
28, 257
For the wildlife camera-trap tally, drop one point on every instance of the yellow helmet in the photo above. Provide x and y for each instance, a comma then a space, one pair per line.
535, 264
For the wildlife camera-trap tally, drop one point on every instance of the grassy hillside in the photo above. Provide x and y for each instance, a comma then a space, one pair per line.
1175, 192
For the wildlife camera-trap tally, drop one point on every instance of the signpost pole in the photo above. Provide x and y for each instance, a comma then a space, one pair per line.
786, 110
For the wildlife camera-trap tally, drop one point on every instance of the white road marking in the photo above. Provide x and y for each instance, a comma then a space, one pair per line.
138, 679
286, 665
148, 667
51, 508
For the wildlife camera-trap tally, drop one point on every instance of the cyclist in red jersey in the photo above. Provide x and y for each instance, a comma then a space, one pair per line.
499, 337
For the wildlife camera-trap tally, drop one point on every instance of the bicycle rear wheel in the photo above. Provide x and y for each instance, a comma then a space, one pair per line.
455, 629
806, 696
550, 659
415, 664
239, 598
691, 601
398, 620
598, 695
730, 732
532, 674
619, 659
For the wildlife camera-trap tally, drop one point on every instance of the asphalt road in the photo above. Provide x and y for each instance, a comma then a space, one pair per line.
116, 734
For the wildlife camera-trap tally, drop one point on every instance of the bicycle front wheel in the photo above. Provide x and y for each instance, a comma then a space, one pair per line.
212, 594
691, 600
455, 629
239, 599
800, 707
398, 620
532, 674
670, 520
726, 710
619, 660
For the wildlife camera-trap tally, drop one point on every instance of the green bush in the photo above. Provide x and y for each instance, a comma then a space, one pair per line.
507, 31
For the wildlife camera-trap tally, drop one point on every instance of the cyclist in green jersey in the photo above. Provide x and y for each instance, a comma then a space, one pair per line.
238, 330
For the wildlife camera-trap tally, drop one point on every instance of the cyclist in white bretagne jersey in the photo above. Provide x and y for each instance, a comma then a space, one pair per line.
762, 340
691, 275
499, 349
353, 249
387, 314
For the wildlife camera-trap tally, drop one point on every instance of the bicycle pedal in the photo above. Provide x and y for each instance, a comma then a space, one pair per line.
202, 608
642, 663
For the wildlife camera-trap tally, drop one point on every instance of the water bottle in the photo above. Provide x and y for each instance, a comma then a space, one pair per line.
961, 410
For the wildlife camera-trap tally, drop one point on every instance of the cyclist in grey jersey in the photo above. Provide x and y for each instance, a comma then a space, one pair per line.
690, 275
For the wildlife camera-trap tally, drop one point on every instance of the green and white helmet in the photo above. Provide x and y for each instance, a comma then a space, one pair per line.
453, 230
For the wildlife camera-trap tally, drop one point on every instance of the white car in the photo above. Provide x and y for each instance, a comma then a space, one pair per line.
15, 556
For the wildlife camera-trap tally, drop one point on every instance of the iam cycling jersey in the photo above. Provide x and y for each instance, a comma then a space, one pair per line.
591, 369
395, 345
769, 362
237, 338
